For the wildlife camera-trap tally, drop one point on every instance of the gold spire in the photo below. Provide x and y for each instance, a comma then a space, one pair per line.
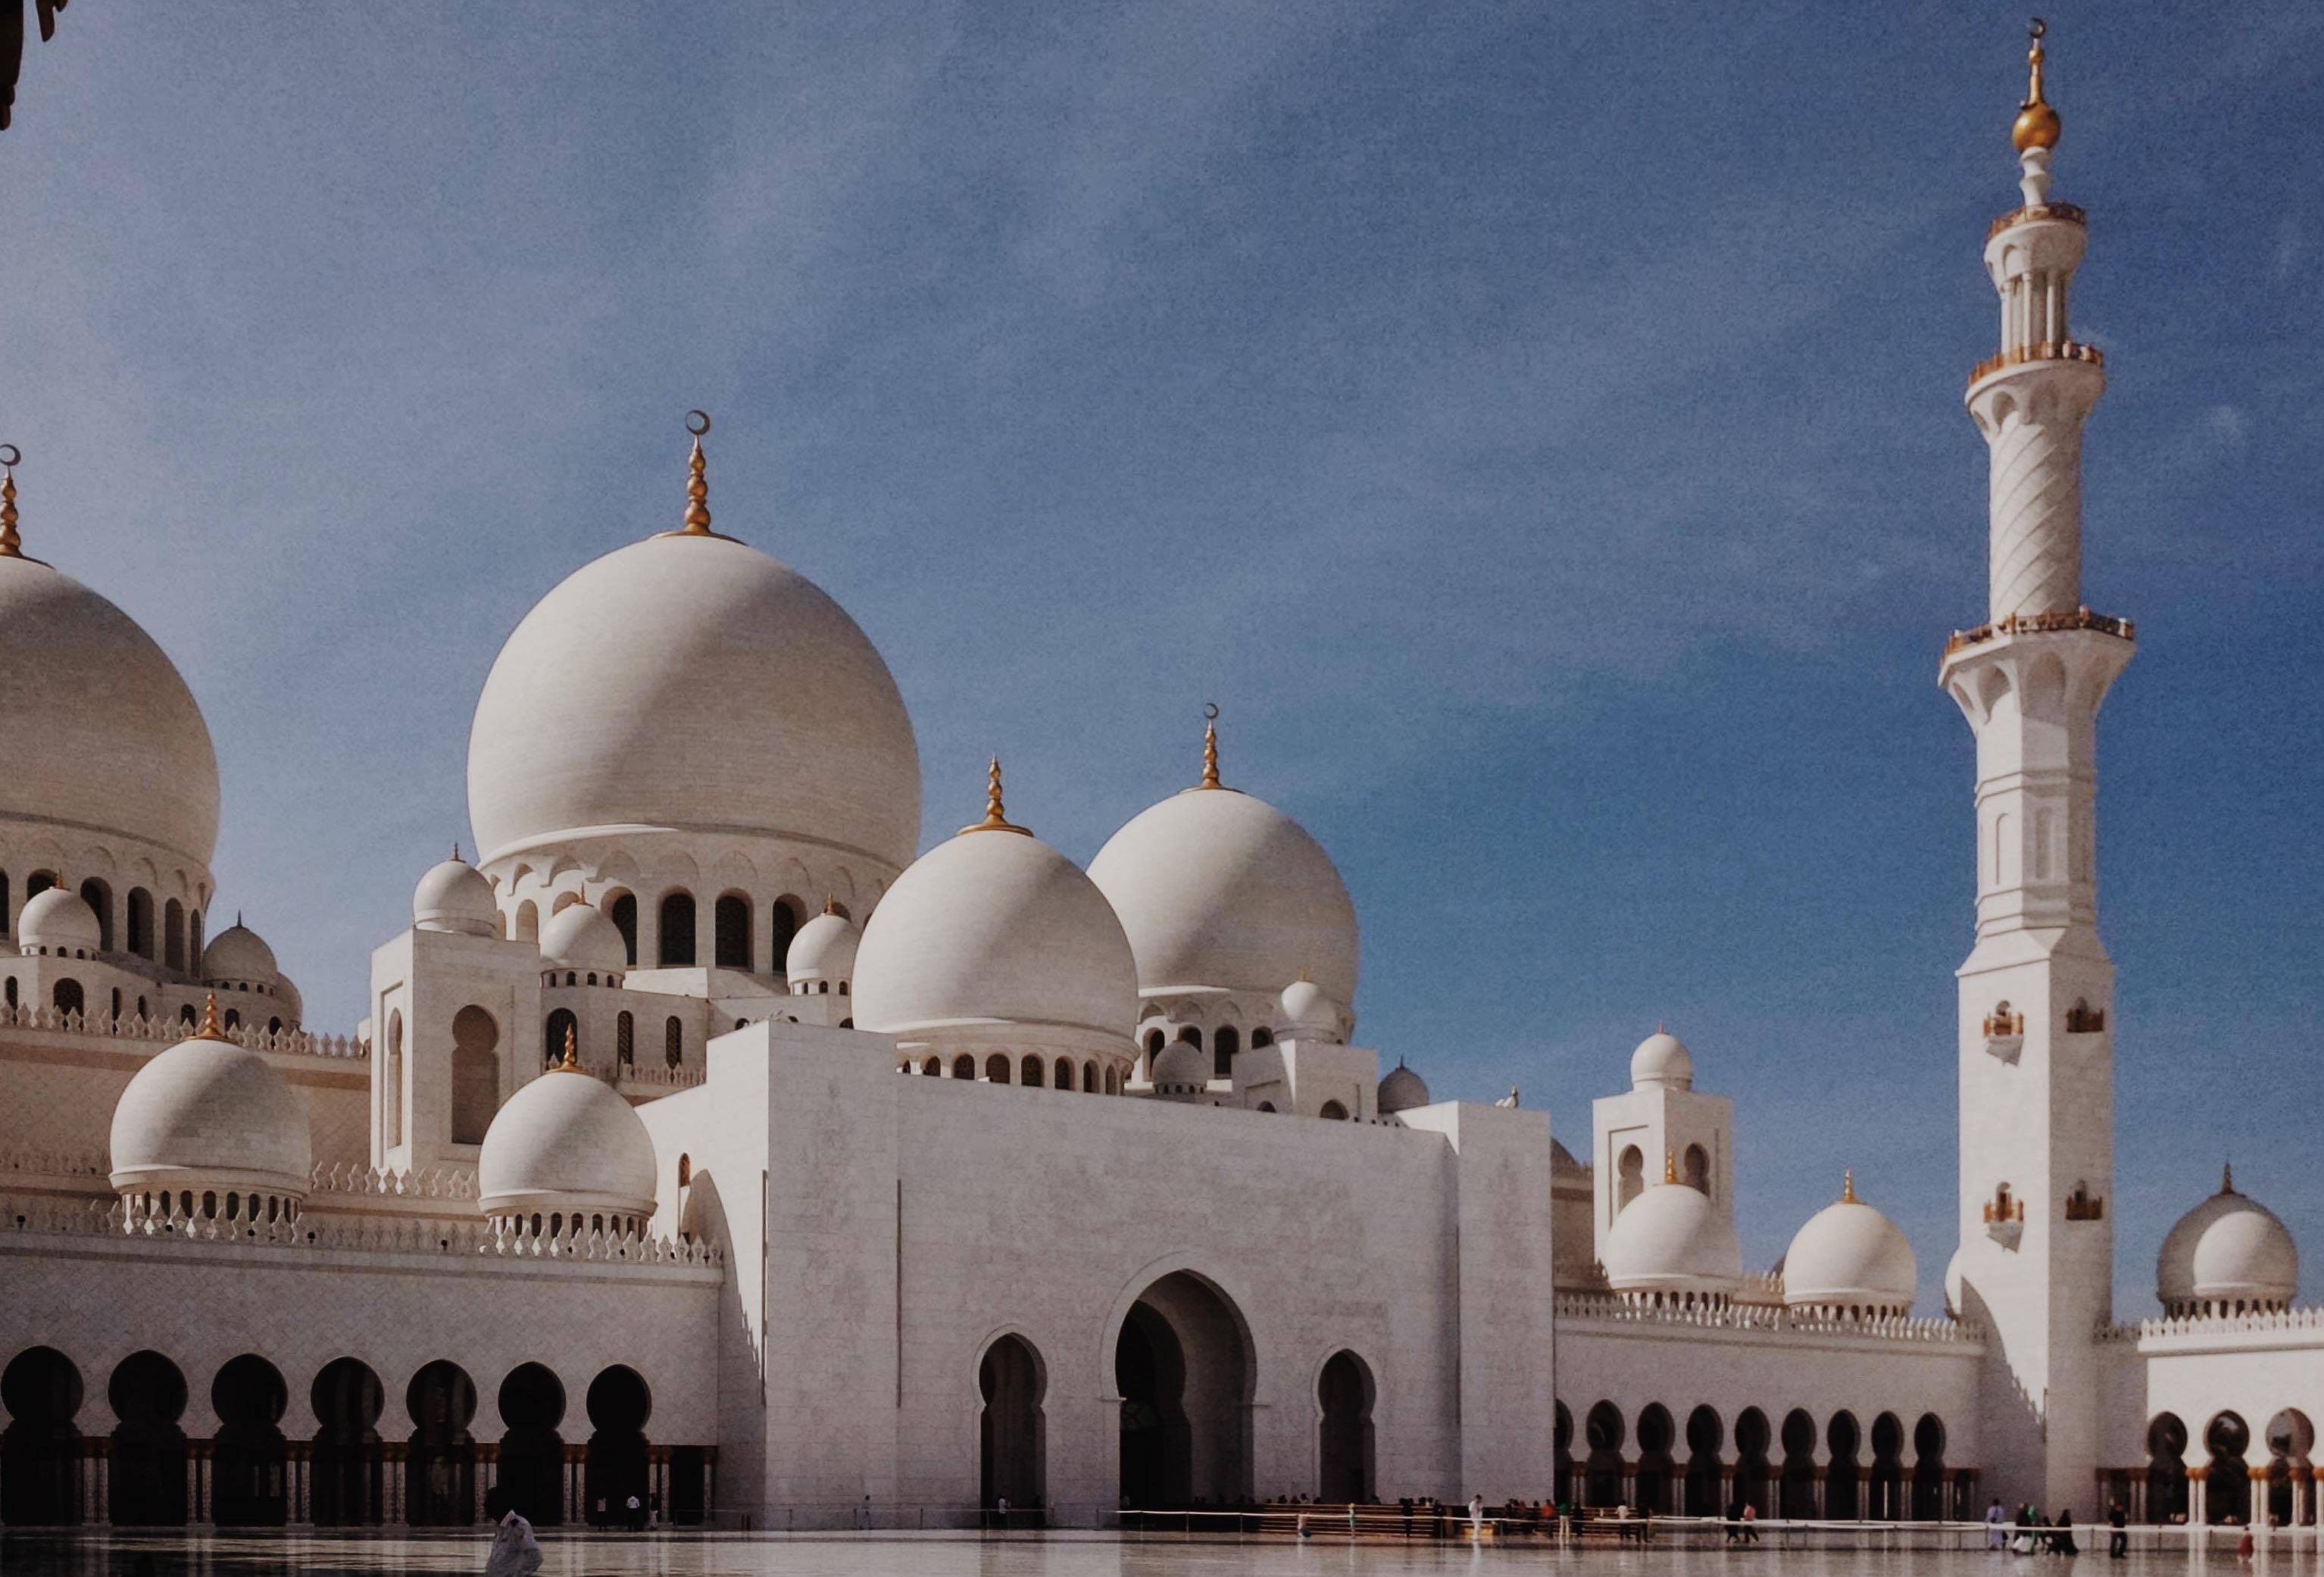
996, 819
209, 1029
2037, 124
1848, 1186
1211, 746
698, 487
830, 904
11, 546
572, 1063
1670, 1165
2228, 1177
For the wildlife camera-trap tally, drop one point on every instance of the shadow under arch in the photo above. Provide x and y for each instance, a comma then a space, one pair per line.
40, 1450
1184, 1370
1345, 1394
1012, 1429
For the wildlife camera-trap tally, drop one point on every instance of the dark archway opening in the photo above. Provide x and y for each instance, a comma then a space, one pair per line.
619, 1405
1842, 1499
531, 1478
1752, 1439
2226, 1487
41, 1450
730, 928
1798, 1498
1344, 1391
2166, 1469
147, 1474
1705, 1435
1182, 1365
1561, 1439
1929, 1469
676, 931
344, 1467
1655, 1476
2290, 1438
553, 1031
1602, 1474
1010, 1430
782, 924
1887, 1501
251, 1461
440, 1477
623, 912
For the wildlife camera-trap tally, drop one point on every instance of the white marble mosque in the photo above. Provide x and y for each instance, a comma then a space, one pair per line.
709, 1140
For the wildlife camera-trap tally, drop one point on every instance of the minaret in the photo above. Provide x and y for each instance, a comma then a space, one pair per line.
2036, 1258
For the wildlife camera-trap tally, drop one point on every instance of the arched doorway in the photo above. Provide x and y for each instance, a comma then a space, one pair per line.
1705, 1435
475, 1074
2226, 1487
1842, 1499
250, 1459
1929, 1469
40, 1450
2166, 1469
1752, 1439
1887, 1497
344, 1467
1799, 1465
1183, 1366
148, 1470
531, 1478
440, 1479
675, 950
1655, 1473
619, 1405
1601, 1474
1561, 1438
1010, 1428
1344, 1392
2290, 1438
1630, 1177
730, 932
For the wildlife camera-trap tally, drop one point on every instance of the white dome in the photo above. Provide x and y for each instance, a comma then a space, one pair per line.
1661, 1062
239, 954
1309, 1013
823, 950
56, 920
1218, 891
1401, 1091
566, 1142
2229, 1249
692, 684
1180, 1068
209, 1114
454, 896
995, 927
109, 737
578, 936
1850, 1256
1671, 1239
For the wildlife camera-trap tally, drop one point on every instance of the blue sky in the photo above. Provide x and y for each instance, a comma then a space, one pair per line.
1537, 427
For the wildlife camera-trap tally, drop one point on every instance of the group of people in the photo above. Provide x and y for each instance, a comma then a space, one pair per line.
2031, 1532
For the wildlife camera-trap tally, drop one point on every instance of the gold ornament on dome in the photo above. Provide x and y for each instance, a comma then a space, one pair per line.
996, 818
2037, 124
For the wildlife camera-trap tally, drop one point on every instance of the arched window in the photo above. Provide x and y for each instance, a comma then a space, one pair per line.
1191, 1035
1262, 1036
68, 997
1089, 1078
625, 1040
10, 991
4, 903
730, 921
1030, 1074
528, 921
932, 1068
140, 917
1153, 1043
964, 1066
37, 883
390, 1094
1225, 1044
194, 938
553, 1032
1630, 1177
673, 1043
475, 1074
99, 898
173, 933
676, 931
1112, 1082
1698, 1168
1065, 1074
996, 1069
1333, 1111
622, 910
782, 924
185, 1014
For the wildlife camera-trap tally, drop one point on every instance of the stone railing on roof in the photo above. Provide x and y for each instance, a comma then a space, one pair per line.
131, 1027
377, 1182
1613, 1309
473, 1237
683, 1078
2266, 1323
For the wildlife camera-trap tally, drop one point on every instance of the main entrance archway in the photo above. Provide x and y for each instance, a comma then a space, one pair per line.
1183, 1366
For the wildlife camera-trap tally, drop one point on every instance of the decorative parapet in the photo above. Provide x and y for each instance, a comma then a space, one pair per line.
473, 1237
2270, 1323
2044, 350
131, 1027
683, 1078
2068, 212
375, 1183
1608, 1309
2042, 624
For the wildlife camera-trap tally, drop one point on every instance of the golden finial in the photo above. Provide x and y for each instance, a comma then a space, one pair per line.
830, 904
1670, 1165
572, 1063
11, 546
996, 820
1848, 1186
2228, 1177
1211, 746
2037, 124
698, 487
210, 1029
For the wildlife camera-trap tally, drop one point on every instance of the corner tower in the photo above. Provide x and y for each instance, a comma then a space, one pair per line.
2035, 1263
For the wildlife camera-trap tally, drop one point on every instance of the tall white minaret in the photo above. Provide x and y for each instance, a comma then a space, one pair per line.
2035, 1263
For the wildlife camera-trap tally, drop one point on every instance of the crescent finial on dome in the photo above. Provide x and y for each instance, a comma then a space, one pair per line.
11, 546
2037, 125
572, 1063
1211, 746
697, 485
2226, 1176
210, 1029
996, 819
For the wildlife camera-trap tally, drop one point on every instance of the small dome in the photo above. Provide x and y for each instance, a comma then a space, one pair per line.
1180, 1068
995, 927
823, 950
567, 1143
208, 1114
1851, 1258
55, 920
1402, 1091
2228, 1254
1661, 1062
238, 953
1309, 1013
578, 936
454, 896
1673, 1241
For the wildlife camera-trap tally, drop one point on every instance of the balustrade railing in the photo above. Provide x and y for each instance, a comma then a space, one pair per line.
2041, 624
2045, 350
166, 1030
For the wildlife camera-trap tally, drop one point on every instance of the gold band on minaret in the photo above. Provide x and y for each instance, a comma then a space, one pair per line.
11, 546
996, 818
2037, 124
697, 486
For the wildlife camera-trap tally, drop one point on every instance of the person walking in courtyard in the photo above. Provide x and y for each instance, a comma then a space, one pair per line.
1751, 1516
1477, 1516
1995, 1521
2061, 1542
2118, 1535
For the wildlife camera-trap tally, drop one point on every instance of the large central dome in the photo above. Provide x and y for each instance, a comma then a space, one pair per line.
691, 684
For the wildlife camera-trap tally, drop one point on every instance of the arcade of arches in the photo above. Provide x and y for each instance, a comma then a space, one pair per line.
363, 1467
2216, 1481
1797, 1466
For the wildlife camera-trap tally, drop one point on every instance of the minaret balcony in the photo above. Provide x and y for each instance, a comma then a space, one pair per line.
2042, 624
2004, 1221
2004, 1035
2065, 212
2045, 350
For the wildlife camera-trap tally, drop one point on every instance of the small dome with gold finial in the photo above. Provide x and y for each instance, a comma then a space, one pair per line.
1849, 1261
567, 1156
2037, 125
209, 1128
